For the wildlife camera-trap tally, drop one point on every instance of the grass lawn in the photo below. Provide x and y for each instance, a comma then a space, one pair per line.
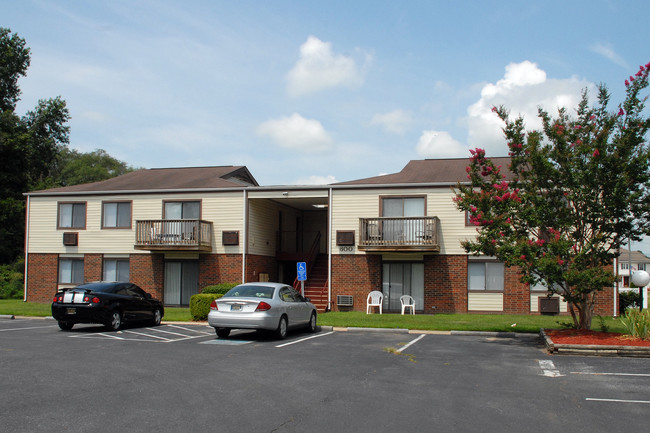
437, 322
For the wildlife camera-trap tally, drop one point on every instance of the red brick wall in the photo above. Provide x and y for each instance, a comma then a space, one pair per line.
516, 295
93, 267
445, 284
42, 277
255, 265
356, 275
148, 272
219, 268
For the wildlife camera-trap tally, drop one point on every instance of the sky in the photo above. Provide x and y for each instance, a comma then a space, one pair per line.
315, 92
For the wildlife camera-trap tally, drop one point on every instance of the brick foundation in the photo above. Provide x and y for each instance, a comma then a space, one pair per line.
42, 277
219, 268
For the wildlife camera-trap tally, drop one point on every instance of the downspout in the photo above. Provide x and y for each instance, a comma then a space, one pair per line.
329, 252
26, 249
244, 237
615, 283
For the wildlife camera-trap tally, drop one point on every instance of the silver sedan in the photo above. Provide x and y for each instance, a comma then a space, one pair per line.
270, 306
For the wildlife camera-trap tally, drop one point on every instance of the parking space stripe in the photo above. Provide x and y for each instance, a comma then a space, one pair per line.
612, 374
410, 344
29, 327
613, 400
149, 335
167, 332
548, 368
304, 339
190, 330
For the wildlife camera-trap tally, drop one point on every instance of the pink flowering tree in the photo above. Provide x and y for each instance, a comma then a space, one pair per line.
574, 192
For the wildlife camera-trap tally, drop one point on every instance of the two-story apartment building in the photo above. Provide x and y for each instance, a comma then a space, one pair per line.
174, 231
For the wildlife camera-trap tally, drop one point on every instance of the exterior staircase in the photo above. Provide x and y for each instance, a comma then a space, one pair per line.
316, 284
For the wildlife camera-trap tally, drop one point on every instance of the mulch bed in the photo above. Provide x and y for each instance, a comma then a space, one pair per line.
575, 336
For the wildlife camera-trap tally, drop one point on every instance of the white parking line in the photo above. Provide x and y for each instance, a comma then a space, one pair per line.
190, 330
613, 400
30, 327
411, 343
304, 339
149, 335
612, 374
548, 368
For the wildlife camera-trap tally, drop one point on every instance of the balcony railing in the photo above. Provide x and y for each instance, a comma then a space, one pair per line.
193, 235
399, 234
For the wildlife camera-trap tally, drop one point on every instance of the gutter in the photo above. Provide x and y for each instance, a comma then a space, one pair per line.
26, 249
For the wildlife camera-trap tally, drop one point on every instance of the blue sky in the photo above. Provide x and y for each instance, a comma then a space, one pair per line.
305, 92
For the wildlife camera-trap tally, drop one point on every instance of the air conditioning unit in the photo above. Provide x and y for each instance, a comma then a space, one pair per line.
549, 305
344, 300
70, 239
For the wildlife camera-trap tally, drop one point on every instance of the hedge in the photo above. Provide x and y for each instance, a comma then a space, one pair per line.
200, 305
221, 288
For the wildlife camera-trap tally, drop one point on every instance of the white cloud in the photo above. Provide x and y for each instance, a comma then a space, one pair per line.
316, 180
319, 68
396, 121
439, 144
607, 51
522, 90
296, 133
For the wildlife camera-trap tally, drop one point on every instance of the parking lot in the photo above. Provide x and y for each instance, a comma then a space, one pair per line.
180, 377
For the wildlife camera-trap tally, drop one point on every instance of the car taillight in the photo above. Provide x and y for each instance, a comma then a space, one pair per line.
58, 298
94, 300
263, 306
213, 305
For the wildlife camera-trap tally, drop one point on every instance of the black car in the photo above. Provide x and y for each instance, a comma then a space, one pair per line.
108, 303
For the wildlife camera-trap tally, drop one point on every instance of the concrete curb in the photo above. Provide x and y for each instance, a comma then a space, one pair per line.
7, 317
593, 350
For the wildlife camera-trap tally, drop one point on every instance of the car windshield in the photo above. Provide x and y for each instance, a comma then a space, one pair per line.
250, 292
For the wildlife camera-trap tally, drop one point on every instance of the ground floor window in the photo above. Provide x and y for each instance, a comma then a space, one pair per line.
116, 270
181, 281
487, 276
402, 278
71, 270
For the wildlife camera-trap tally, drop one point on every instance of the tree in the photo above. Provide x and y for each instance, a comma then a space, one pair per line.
29, 145
574, 192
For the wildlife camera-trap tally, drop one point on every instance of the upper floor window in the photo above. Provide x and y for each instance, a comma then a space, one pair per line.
642, 267
625, 266
72, 215
485, 276
71, 270
182, 210
116, 214
402, 206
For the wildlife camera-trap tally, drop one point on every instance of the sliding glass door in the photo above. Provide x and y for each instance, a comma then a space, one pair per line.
402, 279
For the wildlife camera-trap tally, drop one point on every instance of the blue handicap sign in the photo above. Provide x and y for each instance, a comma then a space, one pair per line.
302, 271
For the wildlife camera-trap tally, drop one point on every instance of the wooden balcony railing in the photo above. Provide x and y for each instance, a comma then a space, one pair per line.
169, 235
399, 234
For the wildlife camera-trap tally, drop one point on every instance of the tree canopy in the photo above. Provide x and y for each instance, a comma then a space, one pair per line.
34, 149
577, 190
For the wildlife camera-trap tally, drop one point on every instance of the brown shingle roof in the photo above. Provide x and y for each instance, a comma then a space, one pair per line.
186, 178
429, 171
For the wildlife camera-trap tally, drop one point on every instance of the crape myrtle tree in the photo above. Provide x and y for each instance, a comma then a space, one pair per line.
575, 191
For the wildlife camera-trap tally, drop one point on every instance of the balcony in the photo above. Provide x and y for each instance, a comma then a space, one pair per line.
173, 235
399, 234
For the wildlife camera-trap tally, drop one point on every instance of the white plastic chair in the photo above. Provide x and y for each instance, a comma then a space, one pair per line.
375, 299
407, 302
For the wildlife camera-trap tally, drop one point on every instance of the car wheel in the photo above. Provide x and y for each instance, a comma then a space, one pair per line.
66, 326
312, 322
281, 332
222, 332
115, 321
157, 317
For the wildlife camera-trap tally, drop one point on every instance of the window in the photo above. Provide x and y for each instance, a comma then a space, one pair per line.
642, 267
485, 276
72, 215
625, 266
402, 206
182, 210
116, 270
116, 214
71, 271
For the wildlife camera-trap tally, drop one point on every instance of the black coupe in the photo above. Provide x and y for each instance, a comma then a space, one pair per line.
108, 303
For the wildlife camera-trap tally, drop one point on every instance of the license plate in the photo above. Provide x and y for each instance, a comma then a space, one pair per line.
235, 307
71, 311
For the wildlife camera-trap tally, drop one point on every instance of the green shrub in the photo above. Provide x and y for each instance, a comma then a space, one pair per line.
12, 280
637, 323
200, 305
219, 288
629, 299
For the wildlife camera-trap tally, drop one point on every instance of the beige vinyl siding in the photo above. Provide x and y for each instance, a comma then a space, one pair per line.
350, 205
224, 210
534, 303
484, 301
